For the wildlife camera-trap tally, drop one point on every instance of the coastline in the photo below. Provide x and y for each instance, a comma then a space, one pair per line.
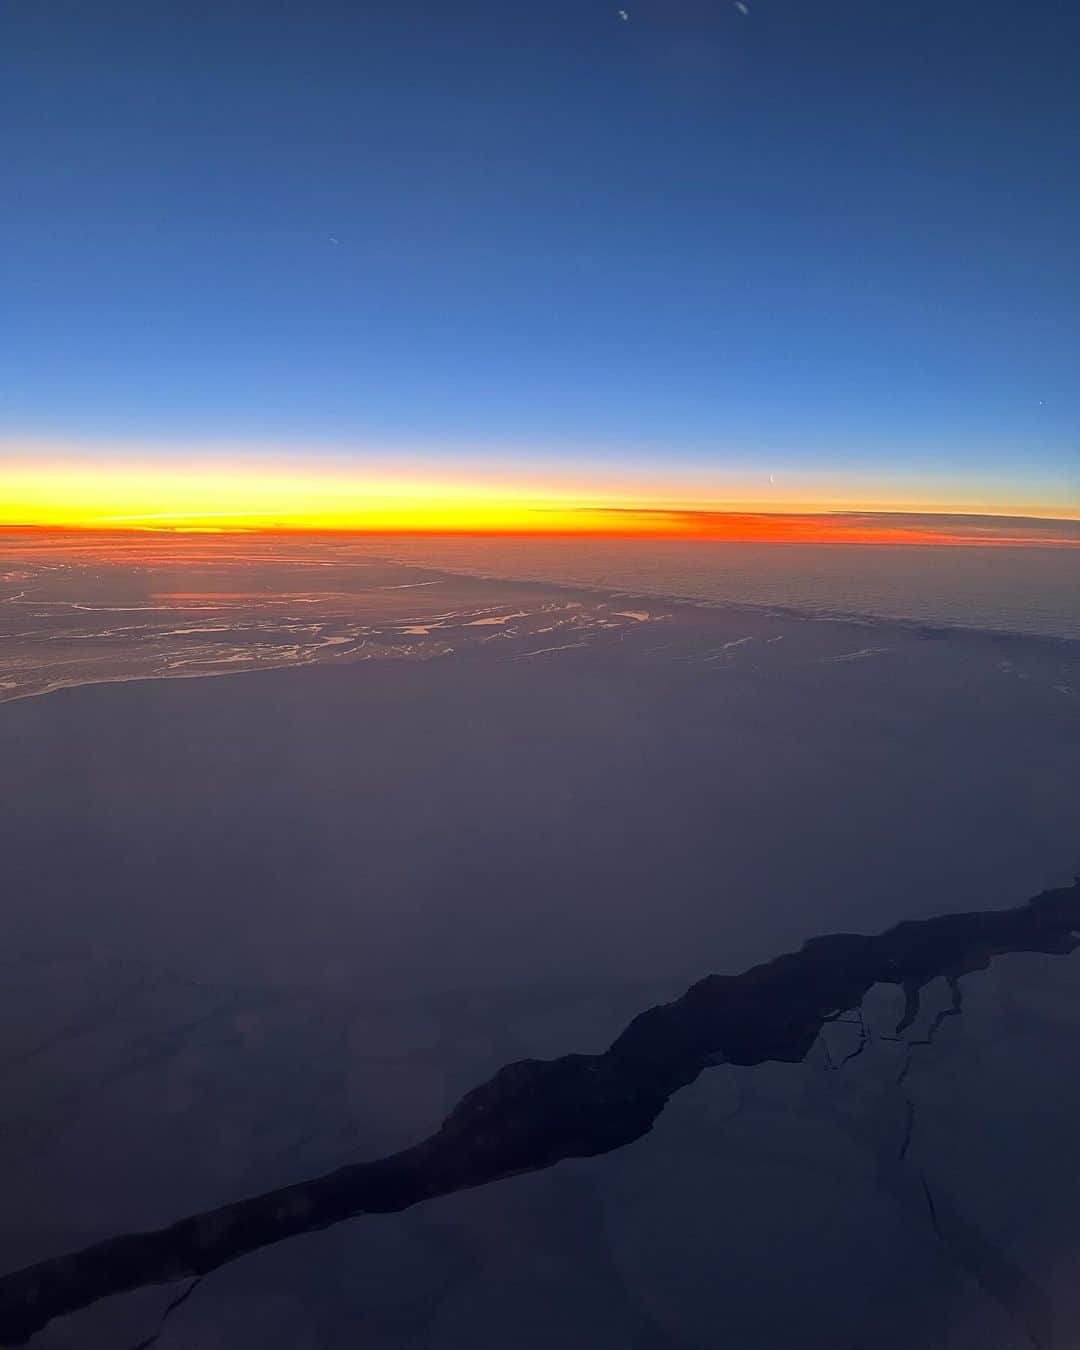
371, 633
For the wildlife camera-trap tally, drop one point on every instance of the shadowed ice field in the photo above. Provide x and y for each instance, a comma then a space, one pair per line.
260, 927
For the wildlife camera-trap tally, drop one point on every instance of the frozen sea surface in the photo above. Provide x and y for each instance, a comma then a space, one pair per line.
1011, 589
261, 926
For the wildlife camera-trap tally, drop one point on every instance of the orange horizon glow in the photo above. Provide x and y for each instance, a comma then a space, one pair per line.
218, 498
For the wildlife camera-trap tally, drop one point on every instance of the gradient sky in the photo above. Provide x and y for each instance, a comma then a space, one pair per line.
817, 254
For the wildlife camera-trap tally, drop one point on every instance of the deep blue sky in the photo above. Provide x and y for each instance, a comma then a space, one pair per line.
825, 238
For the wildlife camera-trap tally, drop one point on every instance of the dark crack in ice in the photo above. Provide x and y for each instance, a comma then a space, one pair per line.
535, 1113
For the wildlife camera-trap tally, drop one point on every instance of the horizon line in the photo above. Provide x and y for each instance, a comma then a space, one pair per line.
841, 525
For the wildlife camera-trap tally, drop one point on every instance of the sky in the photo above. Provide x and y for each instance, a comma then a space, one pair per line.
506, 265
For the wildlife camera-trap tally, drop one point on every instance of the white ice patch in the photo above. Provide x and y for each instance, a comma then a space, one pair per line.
217, 628
409, 585
541, 650
504, 618
853, 656
722, 650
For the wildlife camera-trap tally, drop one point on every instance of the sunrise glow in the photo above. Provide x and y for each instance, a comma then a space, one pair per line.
210, 496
